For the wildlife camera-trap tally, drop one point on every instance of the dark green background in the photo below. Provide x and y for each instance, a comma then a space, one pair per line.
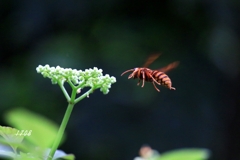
116, 35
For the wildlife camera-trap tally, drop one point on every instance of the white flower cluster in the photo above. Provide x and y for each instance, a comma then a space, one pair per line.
89, 78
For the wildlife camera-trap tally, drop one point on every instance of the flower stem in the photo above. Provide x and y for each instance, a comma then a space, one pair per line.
61, 83
61, 130
84, 95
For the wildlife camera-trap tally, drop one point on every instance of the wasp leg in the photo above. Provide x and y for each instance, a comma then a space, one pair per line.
138, 82
169, 86
155, 86
130, 76
154, 79
143, 74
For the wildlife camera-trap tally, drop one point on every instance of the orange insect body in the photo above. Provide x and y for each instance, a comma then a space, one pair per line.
154, 76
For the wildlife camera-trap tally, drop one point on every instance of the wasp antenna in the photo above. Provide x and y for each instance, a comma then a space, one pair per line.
127, 71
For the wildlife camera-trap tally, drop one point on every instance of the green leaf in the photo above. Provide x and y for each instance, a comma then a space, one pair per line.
6, 152
68, 157
11, 137
27, 156
43, 131
60, 155
186, 154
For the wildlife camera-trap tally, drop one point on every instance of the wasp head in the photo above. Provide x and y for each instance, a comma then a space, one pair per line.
132, 75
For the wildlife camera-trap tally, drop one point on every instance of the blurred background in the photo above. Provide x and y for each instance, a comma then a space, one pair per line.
117, 35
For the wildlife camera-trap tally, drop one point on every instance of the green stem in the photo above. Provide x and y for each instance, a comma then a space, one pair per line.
84, 95
61, 130
64, 90
71, 84
72, 101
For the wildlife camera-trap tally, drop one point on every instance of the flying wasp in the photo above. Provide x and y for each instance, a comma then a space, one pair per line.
155, 76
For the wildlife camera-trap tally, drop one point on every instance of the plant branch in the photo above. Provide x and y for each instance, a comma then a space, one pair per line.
61, 130
84, 95
61, 84
71, 84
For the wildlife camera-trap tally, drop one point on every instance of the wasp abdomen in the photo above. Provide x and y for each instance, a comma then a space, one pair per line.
162, 78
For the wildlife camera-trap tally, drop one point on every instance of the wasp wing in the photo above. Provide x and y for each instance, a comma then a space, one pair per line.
169, 67
151, 59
